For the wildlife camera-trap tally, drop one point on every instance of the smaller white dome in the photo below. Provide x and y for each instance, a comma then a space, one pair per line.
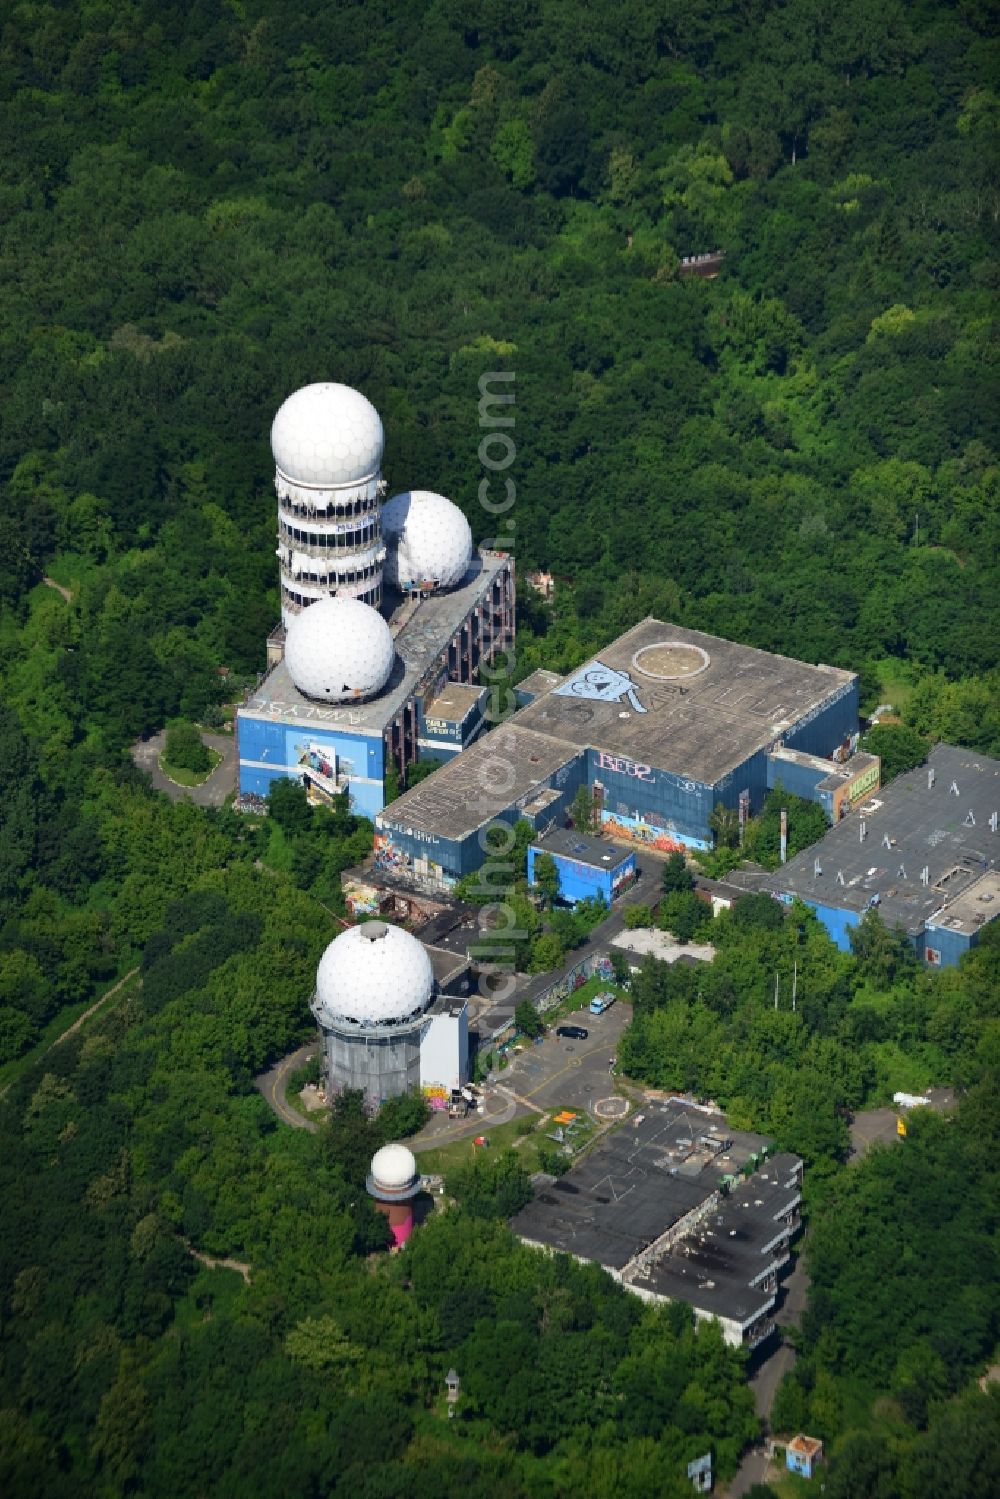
393, 1168
373, 975
428, 537
327, 434
339, 650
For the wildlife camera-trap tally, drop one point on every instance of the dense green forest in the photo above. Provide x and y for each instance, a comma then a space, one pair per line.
903, 1308
792, 1036
204, 206
129, 1365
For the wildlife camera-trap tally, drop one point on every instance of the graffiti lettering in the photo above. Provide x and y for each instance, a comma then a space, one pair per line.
624, 767
415, 833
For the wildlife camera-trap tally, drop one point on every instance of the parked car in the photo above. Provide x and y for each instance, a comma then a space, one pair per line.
572, 1032
602, 1002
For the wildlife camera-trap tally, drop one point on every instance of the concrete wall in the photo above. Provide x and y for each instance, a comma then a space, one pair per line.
381, 1065
273, 750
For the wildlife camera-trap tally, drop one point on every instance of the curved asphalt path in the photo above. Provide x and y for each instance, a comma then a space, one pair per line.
274, 1081
213, 791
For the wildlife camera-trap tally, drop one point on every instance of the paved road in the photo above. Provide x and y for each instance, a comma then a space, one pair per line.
767, 1376
274, 1081
753, 1469
501, 1106
212, 792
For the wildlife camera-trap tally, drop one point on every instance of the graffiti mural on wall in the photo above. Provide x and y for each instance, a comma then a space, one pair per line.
387, 856
318, 757
361, 900
862, 784
644, 833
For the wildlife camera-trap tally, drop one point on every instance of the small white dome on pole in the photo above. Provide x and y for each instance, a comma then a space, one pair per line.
393, 1169
339, 650
428, 540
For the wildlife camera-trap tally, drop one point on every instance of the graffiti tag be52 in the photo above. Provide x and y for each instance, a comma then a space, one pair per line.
624, 767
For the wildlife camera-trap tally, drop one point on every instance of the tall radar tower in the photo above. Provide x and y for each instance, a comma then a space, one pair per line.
327, 442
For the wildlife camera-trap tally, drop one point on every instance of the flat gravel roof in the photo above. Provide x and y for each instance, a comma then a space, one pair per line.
681, 701
483, 780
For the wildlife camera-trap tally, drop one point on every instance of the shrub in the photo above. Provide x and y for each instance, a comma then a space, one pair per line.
184, 748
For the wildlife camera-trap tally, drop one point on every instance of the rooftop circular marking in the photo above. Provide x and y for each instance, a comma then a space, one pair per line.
670, 660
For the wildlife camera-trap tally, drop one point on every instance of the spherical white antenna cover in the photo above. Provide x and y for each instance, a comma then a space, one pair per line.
339, 650
373, 974
393, 1168
327, 434
428, 539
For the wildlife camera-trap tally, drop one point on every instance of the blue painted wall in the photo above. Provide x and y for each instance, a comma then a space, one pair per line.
651, 803
800, 780
397, 848
450, 731
831, 726
837, 922
271, 750
951, 945
580, 881
798, 1462
556, 814
751, 776
460, 856
640, 796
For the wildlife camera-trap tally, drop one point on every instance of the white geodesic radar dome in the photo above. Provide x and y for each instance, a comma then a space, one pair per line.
339, 650
373, 974
428, 540
393, 1168
327, 435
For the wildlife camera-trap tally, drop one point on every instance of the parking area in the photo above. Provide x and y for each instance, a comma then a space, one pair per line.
555, 1073
561, 1071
